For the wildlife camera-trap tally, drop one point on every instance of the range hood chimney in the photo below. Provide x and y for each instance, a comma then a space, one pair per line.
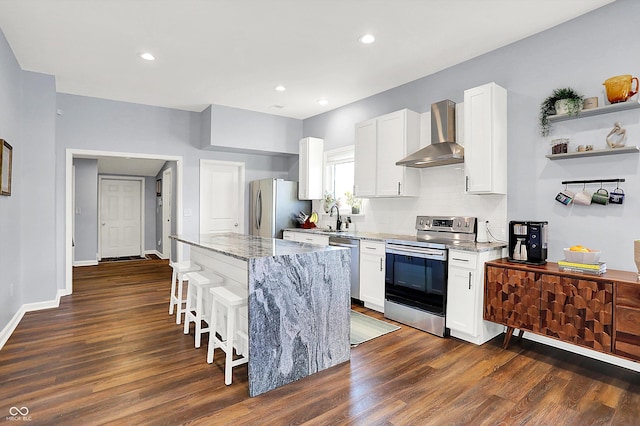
443, 149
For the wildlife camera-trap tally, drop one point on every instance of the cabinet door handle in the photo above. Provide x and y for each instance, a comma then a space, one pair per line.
469, 280
466, 183
399, 188
380, 264
459, 260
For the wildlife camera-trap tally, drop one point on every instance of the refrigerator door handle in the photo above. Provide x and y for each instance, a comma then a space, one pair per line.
259, 209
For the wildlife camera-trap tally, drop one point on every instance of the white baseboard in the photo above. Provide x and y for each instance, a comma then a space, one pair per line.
8, 330
156, 252
620, 362
85, 263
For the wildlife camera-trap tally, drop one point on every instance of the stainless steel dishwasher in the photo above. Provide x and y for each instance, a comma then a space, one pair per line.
354, 246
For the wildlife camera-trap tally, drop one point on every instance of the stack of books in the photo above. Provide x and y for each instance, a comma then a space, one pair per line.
585, 268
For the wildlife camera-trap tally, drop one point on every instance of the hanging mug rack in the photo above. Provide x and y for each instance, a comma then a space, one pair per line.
601, 196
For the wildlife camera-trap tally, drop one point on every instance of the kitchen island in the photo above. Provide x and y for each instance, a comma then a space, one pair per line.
298, 302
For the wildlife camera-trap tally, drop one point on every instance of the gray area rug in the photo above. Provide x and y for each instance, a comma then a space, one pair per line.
365, 328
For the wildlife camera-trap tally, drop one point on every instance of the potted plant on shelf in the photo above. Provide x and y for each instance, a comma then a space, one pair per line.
354, 202
562, 101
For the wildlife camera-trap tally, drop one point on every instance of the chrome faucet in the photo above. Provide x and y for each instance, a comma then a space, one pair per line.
338, 221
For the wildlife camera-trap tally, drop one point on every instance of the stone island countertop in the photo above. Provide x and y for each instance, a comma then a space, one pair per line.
298, 302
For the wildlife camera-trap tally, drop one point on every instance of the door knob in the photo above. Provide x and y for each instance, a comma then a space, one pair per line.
236, 225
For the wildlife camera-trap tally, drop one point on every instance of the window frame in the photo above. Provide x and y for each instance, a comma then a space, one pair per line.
345, 154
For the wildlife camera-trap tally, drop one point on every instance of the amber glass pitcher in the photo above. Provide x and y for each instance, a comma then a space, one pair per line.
619, 88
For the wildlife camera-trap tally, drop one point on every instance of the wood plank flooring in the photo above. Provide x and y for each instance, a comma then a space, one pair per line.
111, 354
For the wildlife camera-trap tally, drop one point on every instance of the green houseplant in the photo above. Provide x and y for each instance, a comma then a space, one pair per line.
354, 202
564, 100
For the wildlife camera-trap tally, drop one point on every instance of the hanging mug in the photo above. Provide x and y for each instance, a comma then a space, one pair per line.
565, 197
601, 196
616, 196
583, 197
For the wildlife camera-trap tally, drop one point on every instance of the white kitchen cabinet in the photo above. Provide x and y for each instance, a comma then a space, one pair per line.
372, 270
310, 169
306, 237
485, 139
364, 178
379, 143
465, 296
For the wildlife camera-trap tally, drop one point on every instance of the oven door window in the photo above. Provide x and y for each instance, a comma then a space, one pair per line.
410, 272
416, 274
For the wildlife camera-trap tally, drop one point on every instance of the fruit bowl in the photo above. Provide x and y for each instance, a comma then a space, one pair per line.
582, 256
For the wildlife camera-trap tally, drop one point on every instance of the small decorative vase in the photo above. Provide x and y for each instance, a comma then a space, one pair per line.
355, 210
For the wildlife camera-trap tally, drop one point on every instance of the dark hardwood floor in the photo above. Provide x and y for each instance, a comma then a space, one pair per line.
111, 354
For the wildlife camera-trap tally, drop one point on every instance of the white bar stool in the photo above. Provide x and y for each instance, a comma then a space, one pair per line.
225, 297
176, 300
197, 310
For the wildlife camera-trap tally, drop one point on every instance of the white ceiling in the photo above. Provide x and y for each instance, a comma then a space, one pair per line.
234, 52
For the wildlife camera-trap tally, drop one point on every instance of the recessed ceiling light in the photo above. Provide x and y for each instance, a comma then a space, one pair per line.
367, 39
280, 88
147, 56
323, 102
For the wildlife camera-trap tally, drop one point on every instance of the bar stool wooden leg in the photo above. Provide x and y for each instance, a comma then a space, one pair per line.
231, 331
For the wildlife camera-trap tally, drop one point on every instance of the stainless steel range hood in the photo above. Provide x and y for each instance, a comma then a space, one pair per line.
443, 149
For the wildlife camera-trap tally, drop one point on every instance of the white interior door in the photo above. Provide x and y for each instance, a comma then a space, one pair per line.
167, 200
120, 217
221, 196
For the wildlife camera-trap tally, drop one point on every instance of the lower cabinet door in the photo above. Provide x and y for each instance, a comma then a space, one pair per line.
576, 310
372, 268
461, 301
512, 298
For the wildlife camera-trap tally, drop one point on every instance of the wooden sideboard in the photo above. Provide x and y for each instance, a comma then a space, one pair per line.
600, 312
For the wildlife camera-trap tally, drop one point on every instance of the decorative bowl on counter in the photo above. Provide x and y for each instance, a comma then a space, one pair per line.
582, 256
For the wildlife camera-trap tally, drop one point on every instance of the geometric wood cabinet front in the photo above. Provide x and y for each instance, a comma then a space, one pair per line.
512, 298
600, 313
627, 321
578, 311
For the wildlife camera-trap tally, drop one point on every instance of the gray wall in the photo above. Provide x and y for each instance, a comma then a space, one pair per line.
11, 243
582, 54
238, 129
86, 214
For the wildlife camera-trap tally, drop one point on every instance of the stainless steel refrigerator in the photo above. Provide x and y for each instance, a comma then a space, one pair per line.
273, 207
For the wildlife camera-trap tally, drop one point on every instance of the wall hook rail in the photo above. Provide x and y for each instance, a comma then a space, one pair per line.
600, 181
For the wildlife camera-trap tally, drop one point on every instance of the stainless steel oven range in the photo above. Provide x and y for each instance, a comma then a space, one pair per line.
416, 271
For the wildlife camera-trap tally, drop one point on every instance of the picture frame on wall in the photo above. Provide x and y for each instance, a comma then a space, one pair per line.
6, 159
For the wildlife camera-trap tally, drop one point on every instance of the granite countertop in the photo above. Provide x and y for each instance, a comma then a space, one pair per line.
245, 247
383, 237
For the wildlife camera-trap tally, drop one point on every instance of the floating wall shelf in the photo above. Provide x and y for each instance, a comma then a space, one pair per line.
610, 151
621, 106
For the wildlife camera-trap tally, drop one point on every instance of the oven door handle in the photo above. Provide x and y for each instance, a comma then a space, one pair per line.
422, 253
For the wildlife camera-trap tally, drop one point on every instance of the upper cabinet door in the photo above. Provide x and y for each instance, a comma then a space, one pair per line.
310, 170
380, 142
365, 159
391, 137
485, 145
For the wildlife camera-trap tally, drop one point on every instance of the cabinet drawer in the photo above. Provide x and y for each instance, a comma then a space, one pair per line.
462, 259
628, 321
628, 295
369, 247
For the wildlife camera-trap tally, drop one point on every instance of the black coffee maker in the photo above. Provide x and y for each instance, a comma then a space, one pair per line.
528, 242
